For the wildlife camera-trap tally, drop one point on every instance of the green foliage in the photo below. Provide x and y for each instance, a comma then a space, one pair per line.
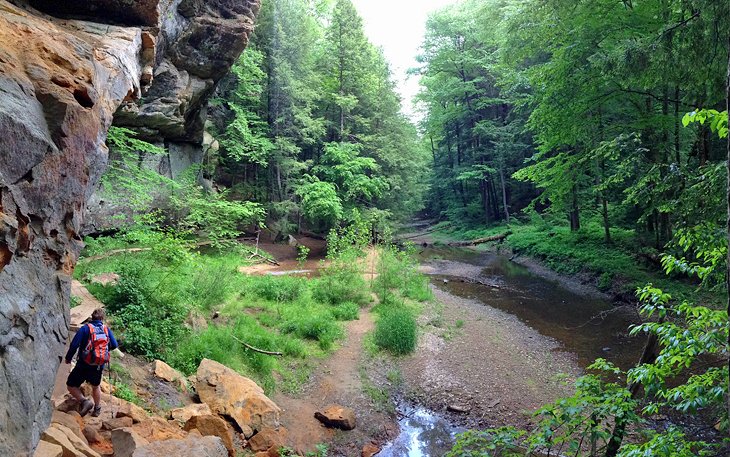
302, 254
717, 120
396, 331
398, 270
277, 288
127, 181
310, 121
123, 391
320, 203
672, 443
346, 312
318, 328
218, 343
150, 318
500, 442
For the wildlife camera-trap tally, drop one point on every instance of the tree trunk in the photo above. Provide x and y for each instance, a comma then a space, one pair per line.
504, 194
677, 119
606, 226
574, 214
649, 355
485, 199
727, 276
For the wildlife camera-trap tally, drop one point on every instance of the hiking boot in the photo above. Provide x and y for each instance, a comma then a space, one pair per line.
86, 406
96, 412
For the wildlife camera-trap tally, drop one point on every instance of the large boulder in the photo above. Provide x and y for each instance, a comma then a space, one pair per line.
125, 441
71, 444
165, 371
46, 449
192, 446
158, 429
232, 395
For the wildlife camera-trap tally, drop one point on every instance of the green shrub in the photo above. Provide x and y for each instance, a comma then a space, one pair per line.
341, 282
219, 343
605, 281
320, 328
346, 312
277, 288
398, 270
126, 393
147, 318
214, 282
396, 331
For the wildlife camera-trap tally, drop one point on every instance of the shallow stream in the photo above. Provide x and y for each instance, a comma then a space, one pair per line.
585, 325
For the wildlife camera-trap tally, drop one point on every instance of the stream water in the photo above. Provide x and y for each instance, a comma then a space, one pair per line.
585, 326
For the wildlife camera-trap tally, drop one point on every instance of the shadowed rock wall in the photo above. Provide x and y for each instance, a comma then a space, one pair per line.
61, 81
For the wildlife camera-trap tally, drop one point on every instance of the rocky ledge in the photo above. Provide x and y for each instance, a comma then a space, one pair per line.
67, 70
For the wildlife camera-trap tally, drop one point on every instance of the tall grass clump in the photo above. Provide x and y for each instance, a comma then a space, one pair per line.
320, 328
396, 331
223, 344
398, 272
276, 288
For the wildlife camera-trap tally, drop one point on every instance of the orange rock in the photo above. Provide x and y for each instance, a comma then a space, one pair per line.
165, 371
266, 439
210, 425
369, 450
69, 421
158, 429
118, 422
230, 394
126, 441
46, 449
186, 413
337, 416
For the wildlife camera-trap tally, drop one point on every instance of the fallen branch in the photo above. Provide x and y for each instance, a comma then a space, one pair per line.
257, 255
481, 240
261, 351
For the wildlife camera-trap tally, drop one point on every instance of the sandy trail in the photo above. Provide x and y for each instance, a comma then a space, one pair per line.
337, 380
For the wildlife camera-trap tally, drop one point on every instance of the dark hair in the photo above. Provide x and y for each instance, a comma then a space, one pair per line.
98, 315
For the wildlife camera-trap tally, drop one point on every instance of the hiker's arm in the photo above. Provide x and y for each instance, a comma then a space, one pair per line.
75, 343
112, 341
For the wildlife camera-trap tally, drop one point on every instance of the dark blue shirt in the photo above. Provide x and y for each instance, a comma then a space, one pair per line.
82, 338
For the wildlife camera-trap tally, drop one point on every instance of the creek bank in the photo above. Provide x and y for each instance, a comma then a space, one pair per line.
480, 367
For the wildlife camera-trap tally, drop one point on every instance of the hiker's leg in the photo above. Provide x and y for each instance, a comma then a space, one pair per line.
76, 393
96, 395
73, 383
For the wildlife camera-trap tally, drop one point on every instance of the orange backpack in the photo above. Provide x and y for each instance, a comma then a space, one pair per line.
97, 348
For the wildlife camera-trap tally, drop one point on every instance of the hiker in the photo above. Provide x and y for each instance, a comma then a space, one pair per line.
93, 342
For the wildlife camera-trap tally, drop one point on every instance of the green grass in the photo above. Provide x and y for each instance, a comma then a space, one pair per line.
159, 288
397, 331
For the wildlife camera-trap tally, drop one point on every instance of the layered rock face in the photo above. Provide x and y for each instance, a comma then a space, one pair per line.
154, 63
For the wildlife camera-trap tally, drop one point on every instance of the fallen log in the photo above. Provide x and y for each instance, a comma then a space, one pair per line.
260, 351
481, 240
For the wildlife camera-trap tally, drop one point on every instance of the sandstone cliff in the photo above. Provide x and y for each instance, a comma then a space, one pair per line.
66, 68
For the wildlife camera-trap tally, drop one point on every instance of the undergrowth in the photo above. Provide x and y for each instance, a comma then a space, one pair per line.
161, 286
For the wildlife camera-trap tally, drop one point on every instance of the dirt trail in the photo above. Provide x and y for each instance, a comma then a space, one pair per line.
337, 380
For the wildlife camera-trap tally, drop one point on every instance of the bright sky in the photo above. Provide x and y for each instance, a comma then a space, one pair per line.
398, 26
